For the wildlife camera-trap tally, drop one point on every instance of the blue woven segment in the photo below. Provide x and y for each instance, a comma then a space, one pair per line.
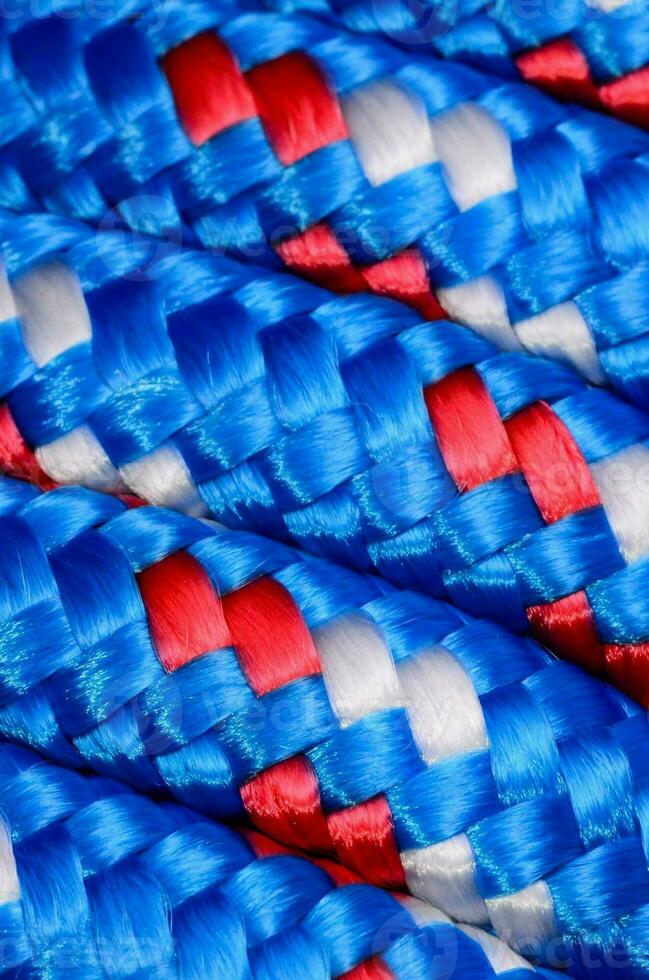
614, 42
355, 763
95, 863
254, 740
300, 415
558, 784
87, 139
614, 621
442, 801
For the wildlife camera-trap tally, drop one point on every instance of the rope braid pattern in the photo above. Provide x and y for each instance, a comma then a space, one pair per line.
425, 750
356, 164
592, 53
344, 425
97, 882
595, 54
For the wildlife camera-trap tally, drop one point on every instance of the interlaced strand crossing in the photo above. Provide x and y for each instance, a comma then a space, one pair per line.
426, 750
593, 53
348, 426
357, 164
96, 882
449, 761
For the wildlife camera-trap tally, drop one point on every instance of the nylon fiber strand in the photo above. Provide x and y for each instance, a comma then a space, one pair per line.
345, 425
357, 164
428, 751
99, 882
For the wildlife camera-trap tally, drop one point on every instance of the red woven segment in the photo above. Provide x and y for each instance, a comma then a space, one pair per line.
185, 614
628, 97
16, 458
471, 435
363, 837
317, 254
208, 88
298, 110
627, 666
561, 68
567, 627
553, 466
374, 969
284, 801
404, 277
272, 641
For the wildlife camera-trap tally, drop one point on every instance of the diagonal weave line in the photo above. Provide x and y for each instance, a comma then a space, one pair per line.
424, 749
99, 882
357, 164
344, 425
595, 54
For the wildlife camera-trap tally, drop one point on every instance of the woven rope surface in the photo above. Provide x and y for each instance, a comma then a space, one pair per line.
595, 54
425, 750
346, 425
98, 882
234, 673
357, 164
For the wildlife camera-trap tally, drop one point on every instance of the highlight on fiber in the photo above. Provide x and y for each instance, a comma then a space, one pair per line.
324, 473
346, 425
427, 751
97, 881
360, 165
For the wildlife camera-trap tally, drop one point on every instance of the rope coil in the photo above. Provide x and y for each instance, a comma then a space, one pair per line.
98, 882
595, 54
431, 753
354, 163
425, 750
415, 449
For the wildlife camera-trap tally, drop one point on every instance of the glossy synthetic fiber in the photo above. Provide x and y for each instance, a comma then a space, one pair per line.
593, 53
345, 425
425, 750
357, 164
96, 881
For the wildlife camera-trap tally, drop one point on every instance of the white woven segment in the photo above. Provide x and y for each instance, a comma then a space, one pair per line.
501, 957
357, 668
476, 153
623, 484
444, 875
162, 478
9, 884
443, 708
389, 130
480, 304
52, 310
78, 457
422, 912
7, 303
562, 334
607, 6
525, 919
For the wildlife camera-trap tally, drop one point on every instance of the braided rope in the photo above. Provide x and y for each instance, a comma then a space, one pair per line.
358, 165
99, 882
423, 749
593, 53
346, 426
564, 69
